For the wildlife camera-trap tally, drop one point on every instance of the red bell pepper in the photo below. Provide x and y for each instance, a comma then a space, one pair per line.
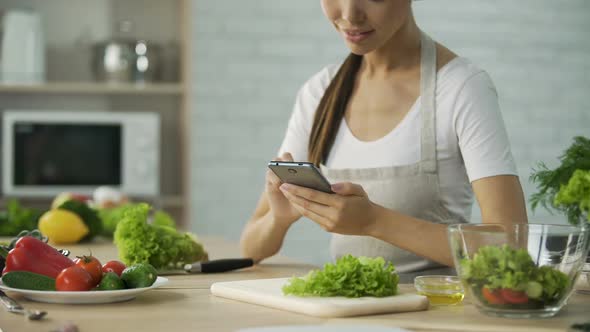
33, 255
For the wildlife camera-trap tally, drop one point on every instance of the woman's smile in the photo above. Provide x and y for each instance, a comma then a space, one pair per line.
357, 36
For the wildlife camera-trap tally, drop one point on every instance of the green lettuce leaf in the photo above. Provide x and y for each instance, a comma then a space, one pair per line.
111, 216
576, 192
162, 246
350, 277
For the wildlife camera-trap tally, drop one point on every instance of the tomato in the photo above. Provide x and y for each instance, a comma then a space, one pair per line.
512, 296
493, 297
74, 278
92, 265
113, 266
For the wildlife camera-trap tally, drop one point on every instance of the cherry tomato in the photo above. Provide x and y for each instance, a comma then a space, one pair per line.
92, 265
512, 296
493, 297
74, 278
113, 266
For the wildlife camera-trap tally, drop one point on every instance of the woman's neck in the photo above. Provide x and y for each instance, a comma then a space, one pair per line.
400, 52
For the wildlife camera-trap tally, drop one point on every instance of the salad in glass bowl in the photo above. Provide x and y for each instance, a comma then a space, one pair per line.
521, 270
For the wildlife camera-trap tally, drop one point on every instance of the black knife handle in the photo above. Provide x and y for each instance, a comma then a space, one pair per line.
222, 265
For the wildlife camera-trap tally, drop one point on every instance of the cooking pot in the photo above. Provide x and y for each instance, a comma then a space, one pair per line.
126, 61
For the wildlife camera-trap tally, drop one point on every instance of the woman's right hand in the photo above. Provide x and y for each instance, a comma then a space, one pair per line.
281, 209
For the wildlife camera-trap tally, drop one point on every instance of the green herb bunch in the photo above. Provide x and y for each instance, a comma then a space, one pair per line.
17, 218
550, 181
350, 277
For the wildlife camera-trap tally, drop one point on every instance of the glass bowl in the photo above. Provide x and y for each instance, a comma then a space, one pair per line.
586, 274
521, 270
440, 290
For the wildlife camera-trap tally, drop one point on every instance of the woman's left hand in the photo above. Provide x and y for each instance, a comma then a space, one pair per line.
347, 211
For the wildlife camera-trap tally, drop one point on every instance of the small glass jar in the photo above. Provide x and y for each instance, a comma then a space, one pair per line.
440, 290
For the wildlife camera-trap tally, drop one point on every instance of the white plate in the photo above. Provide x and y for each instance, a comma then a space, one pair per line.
89, 297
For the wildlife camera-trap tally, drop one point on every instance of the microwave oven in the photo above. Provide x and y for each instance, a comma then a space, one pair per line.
45, 153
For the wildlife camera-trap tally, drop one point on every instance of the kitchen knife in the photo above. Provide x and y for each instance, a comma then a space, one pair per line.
212, 266
219, 265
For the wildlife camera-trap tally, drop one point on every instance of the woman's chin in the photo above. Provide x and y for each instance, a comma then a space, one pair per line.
359, 50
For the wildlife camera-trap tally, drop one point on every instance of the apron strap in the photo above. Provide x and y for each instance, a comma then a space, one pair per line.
428, 161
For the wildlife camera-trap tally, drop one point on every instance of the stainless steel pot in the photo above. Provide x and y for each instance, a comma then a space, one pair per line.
126, 61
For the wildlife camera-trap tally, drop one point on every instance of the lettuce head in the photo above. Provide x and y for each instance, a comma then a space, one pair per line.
162, 246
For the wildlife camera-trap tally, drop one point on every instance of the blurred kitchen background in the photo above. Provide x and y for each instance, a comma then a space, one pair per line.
222, 76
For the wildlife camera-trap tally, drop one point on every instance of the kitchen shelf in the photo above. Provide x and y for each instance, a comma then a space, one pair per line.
70, 85
95, 88
172, 201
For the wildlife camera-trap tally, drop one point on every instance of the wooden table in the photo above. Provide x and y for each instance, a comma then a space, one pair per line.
185, 304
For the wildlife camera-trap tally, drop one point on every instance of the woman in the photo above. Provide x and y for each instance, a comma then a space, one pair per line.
406, 131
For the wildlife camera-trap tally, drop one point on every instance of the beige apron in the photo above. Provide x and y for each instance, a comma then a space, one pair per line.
410, 189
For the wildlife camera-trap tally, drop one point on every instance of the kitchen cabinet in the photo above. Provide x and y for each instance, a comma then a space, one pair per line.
71, 28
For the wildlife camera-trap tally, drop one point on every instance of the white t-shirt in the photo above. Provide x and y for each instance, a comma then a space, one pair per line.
471, 139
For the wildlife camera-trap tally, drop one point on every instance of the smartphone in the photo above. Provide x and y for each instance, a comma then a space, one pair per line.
300, 173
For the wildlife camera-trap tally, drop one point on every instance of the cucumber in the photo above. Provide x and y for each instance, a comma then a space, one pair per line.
28, 280
534, 290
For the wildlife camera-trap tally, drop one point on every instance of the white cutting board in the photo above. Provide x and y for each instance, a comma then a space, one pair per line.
268, 292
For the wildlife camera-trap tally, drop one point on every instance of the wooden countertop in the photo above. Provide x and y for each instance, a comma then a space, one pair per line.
185, 304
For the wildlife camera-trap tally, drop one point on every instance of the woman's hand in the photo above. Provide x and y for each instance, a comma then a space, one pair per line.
348, 211
281, 209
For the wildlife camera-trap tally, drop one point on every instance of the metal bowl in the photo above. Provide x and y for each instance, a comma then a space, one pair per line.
123, 61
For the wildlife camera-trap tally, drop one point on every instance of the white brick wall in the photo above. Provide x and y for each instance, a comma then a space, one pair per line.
251, 57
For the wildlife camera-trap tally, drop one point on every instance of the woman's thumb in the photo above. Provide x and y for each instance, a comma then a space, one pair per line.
287, 156
347, 188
